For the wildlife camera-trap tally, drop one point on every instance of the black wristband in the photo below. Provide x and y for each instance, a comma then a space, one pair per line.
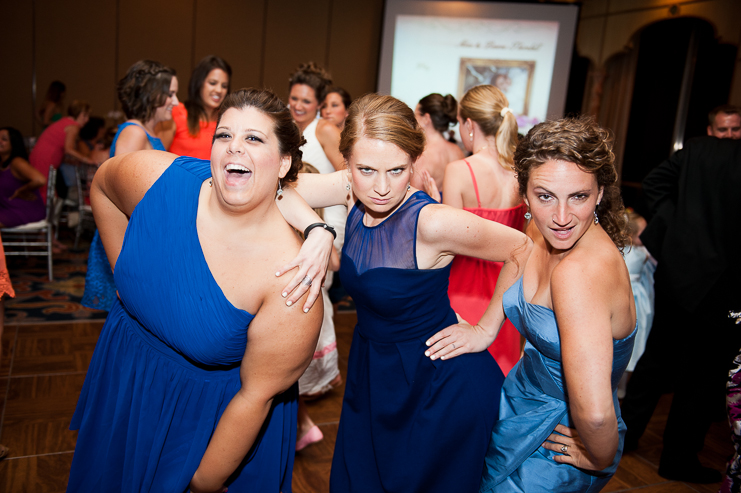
319, 225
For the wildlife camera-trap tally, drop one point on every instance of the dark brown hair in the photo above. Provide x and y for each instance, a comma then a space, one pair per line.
313, 76
383, 118
346, 99
77, 107
144, 88
728, 109
484, 105
194, 104
443, 111
286, 130
582, 142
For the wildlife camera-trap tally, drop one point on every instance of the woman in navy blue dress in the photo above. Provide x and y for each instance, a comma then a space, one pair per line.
408, 423
192, 384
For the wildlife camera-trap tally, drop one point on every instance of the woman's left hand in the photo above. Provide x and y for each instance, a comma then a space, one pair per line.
458, 339
312, 262
566, 441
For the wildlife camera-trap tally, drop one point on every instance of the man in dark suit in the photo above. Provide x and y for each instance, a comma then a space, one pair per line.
695, 234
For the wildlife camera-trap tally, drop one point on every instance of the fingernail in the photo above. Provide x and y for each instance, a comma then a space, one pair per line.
289, 302
442, 357
427, 343
284, 294
427, 353
277, 274
306, 310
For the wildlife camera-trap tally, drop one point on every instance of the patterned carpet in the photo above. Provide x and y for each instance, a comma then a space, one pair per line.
39, 301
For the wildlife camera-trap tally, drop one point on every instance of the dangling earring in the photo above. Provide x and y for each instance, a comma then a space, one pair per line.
596, 218
280, 190
210, 182
409, 187
528, 215
471, 136
347, 186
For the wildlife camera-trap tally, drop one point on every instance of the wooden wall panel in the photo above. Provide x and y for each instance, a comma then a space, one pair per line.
160, 31
354, 46
233, 31
75, 43
16, 97
296, 32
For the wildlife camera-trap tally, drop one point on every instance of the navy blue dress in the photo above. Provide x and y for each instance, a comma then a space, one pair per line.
408, 424
100, 288
534, 401
167, 361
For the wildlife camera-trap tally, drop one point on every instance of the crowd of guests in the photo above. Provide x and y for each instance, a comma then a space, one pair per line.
502, 289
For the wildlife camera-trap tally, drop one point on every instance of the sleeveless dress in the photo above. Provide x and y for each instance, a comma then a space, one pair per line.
100, 289
472, 283
408, 424
167, 361
641, 268
18, 211
183, 143
533, 402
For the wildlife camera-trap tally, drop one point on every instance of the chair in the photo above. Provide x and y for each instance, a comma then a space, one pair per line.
14, 239
85, 174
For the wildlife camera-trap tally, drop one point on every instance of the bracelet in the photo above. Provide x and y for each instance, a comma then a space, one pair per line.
320, 225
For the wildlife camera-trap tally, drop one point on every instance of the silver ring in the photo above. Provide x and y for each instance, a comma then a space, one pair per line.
564, 448
306, 281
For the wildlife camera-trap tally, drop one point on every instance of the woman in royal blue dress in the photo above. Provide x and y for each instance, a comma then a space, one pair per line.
148, 93
192, 384
559, 425
408, 423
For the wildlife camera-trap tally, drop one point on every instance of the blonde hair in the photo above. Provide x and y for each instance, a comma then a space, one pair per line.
382, 118
484, 105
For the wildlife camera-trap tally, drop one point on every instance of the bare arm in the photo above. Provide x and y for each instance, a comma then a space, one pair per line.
119, 184
23, 170
132, 138
329, 137
280, 346
451, 232
581, 292
166, 132
70, 144
452, 185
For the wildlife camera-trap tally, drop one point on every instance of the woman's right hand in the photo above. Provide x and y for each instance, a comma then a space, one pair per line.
566, 441
429, 186
312, 262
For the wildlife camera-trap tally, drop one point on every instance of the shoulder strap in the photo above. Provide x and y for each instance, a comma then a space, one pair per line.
475, 186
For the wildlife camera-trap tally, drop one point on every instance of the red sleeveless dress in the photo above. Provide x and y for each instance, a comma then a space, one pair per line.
472, 283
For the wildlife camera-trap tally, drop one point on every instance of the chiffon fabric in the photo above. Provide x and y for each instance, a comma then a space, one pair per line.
100, 288
408, 424
534, 400
472, 283
185, 144
167, 361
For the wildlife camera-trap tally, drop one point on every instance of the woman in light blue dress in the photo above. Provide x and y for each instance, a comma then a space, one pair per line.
559, 425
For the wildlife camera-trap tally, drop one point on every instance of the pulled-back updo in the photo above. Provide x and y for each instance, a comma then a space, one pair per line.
582, 142
314, 76
382, 118
289, 137
484, 105
443, 111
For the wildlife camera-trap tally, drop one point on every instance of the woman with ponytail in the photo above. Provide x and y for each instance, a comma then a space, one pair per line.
436, 114
485, 185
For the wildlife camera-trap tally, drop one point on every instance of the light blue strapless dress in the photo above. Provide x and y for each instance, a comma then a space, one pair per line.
534, 400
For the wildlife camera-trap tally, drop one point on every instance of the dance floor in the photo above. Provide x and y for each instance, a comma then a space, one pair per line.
43, 367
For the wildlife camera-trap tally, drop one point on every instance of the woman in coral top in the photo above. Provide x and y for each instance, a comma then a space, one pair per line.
191, 130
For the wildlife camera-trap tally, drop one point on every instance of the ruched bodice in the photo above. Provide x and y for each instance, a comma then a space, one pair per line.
403, 413
534, 400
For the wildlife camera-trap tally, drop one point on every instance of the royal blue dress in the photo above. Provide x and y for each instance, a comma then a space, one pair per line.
534, 401
408, 424
100, 289
167, 361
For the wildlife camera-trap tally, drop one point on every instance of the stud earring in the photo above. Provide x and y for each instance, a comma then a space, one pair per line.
471, 136
280, 190
528, 215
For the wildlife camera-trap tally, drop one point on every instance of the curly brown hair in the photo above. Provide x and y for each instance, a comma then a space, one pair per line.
144, 88
313, 76
583, 142
286, 130
382, 118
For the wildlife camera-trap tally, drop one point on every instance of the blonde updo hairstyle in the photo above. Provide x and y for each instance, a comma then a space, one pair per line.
484, 105
382, 118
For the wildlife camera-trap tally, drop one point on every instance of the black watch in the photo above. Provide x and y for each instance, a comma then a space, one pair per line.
319, 225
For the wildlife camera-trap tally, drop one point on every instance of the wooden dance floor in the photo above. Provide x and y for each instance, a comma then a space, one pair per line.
43, 367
